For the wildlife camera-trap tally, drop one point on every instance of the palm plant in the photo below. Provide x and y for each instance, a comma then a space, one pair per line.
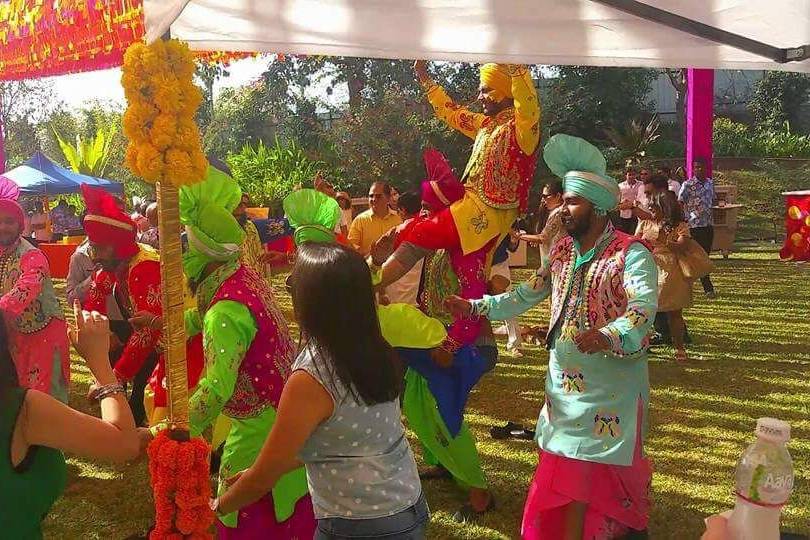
91, 156
635, 138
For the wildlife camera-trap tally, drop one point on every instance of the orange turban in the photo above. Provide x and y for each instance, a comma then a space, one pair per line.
497, 79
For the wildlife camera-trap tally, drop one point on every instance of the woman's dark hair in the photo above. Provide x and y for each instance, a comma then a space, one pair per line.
333, 301
667, 203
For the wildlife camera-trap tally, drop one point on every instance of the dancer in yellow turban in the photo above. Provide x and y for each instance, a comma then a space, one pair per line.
495, 182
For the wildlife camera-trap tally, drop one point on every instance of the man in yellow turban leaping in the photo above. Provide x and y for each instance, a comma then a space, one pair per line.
496, 186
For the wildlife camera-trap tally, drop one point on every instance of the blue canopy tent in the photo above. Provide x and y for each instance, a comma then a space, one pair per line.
39, 176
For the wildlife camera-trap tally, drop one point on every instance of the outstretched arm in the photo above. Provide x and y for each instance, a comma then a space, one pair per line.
26, 289
515, 302
228, 330
454, 115
527, 108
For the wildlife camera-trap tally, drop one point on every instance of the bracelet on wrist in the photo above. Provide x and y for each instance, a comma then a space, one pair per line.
107, 390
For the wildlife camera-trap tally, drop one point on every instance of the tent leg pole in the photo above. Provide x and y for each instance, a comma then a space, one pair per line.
699, 117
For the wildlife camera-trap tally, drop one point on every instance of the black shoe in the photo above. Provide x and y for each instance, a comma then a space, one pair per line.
504, 432
656, 340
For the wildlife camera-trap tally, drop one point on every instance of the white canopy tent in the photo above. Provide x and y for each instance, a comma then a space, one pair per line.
576, 32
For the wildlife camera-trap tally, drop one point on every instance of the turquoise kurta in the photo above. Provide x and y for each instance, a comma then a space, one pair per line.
592, 400
228, 330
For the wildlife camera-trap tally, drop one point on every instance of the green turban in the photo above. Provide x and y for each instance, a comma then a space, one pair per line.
313, 215
206, 210
583, 170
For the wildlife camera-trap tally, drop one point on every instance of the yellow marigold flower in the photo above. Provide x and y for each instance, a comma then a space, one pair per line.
164, 131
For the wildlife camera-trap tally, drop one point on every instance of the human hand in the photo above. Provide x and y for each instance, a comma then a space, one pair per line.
90, 336
146, 319
420, 68
716, 528
275, 258
457, 306
441, 357
592, 341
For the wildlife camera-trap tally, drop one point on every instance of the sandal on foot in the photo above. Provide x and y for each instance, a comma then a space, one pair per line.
467, 514
681, 357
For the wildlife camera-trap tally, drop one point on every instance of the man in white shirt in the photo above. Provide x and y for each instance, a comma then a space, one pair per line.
632, 192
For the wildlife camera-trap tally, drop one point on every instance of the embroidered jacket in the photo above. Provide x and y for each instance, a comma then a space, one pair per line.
248, 348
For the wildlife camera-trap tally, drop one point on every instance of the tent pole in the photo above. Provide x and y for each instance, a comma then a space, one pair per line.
699, 117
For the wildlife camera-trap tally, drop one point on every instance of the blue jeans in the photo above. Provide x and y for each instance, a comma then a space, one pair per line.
409, 524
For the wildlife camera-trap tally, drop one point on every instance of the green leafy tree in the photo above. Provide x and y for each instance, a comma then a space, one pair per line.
23, 105
586, 101
778, 97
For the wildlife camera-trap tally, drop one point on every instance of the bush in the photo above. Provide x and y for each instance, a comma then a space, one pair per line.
270, 173
733, 139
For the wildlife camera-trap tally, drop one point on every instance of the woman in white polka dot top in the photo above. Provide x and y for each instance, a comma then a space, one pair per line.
339, 412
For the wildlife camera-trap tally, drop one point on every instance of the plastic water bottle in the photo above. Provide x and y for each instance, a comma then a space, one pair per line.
764, 481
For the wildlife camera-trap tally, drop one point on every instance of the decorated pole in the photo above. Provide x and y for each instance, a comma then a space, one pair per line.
165, 149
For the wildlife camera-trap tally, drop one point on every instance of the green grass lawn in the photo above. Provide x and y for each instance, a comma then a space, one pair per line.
751, 358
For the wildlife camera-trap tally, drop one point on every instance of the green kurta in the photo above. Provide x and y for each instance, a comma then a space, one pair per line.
228, 329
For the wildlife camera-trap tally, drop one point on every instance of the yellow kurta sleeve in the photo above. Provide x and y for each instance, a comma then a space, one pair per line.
454, 115
527, 109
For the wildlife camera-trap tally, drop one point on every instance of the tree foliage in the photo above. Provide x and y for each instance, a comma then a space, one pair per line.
270, 173
778, 97
585, 101
89, 155
23, 105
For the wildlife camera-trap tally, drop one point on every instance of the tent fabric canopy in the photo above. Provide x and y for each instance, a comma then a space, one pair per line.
575, 32
41, 176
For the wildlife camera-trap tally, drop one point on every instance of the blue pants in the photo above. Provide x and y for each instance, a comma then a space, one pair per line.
409, 524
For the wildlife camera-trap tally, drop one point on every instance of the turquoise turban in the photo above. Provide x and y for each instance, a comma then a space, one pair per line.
583, 170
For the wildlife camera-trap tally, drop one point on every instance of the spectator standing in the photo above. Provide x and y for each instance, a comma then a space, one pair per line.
697, 197
369, 226
631, 193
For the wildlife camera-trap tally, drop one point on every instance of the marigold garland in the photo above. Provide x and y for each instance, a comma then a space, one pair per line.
164, 142
179, 472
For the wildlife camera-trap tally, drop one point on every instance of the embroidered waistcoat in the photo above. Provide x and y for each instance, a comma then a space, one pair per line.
578, 305
44, 308
498, 171
268, 360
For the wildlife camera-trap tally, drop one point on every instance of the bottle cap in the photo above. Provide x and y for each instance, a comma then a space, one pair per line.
773, 430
